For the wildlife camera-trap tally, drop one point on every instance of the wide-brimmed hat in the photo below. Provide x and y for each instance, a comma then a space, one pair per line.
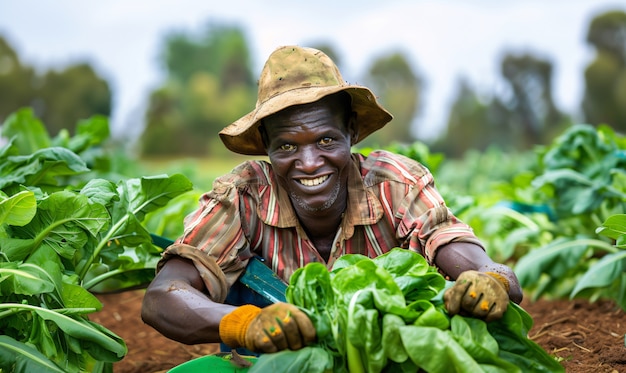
295, 75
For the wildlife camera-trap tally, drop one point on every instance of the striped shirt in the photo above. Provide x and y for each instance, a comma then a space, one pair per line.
392, 202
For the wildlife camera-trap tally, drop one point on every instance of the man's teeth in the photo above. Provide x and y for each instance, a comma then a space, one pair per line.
313, 182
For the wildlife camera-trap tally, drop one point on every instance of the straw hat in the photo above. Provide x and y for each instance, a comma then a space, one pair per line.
295, 75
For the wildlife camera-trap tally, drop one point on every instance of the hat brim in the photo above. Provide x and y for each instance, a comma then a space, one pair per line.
243, 136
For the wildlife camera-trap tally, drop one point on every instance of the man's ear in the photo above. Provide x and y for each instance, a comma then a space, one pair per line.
352, 127
264, 137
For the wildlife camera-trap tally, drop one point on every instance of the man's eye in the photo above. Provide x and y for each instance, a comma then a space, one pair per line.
287, 147
326, 141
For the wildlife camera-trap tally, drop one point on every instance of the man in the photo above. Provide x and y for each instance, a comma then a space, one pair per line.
314, 201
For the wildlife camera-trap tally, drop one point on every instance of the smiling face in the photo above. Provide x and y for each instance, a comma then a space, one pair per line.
309, 149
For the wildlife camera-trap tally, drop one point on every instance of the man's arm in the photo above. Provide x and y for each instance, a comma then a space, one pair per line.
457, 257
176, 304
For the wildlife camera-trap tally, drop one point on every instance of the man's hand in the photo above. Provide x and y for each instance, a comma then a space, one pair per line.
276, 327
478, 294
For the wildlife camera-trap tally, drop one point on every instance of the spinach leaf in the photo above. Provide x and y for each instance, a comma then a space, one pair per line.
19, 209
307, 359
377, 328
511, 332
436, 350
474, 337
27, 131
19, 357
313, 292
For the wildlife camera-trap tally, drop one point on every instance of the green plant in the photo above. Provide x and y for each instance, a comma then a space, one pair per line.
387, 315
63, 236
416, 150
609, 272
583, 181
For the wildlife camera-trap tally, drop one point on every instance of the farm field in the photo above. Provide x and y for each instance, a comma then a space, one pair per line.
556, 216
589, 337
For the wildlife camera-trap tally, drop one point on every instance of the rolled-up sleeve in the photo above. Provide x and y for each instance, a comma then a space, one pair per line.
213, 240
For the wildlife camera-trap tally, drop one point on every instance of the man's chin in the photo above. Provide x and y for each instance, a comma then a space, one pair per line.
309, 205
319, 203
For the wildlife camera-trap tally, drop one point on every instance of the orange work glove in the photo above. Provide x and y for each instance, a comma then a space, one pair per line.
277, 327
477, 294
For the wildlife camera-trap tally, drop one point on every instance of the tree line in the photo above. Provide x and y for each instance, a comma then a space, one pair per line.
209, 82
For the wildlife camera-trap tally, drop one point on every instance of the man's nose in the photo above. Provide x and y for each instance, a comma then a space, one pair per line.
309, 159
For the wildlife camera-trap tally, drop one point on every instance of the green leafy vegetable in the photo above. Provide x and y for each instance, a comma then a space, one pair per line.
387, 315
23, 358
64, 235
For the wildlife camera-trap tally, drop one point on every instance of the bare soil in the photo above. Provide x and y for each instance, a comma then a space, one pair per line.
587, 337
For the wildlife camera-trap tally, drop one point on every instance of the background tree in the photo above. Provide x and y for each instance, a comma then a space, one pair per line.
209, 84
533, 108
604, 100
467, 126
16, 81
58, 98
517, 122
69, 95
399, 88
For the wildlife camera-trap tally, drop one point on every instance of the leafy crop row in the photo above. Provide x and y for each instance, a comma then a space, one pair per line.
66, 231
556, 214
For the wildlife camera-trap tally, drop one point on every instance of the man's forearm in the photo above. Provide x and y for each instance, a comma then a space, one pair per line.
182, 313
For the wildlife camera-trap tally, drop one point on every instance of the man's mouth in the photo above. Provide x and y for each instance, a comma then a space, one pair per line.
313, 182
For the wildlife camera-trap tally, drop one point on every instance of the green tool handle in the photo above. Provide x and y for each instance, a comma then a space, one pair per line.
258, 277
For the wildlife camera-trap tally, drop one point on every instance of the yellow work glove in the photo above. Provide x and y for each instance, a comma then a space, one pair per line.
483, 295
277, 327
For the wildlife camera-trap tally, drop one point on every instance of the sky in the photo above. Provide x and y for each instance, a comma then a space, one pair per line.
444, 40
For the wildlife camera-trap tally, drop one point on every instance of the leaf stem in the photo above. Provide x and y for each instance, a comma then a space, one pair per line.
599, 244
518, 217
13, 308
98, 279
355, 362
96, 252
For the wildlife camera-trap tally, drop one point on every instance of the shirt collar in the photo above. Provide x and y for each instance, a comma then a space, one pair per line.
363, 206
